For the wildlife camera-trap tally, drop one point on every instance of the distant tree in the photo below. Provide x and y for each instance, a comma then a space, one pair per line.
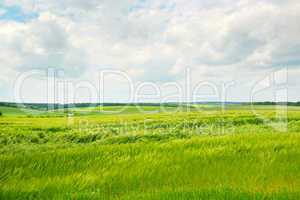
0, 113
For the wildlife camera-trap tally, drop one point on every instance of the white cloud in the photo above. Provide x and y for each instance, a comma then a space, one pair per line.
154, 40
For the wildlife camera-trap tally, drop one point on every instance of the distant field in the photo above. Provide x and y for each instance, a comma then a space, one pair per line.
99, 110
11, 111
109, 110
178, 153
127, 109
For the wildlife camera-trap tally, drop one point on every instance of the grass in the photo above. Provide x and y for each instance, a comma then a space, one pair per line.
15, 111
209, 154
88, 111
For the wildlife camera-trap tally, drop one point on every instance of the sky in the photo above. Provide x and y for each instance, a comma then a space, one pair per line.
149, 50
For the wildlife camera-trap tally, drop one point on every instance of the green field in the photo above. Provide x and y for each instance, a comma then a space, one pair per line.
202, 152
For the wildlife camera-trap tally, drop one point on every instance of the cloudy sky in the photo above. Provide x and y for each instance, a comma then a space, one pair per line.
178, 47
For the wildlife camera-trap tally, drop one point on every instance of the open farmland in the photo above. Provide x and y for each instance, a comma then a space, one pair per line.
202, 152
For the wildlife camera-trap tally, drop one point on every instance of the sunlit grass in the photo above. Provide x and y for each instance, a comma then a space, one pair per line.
209, 154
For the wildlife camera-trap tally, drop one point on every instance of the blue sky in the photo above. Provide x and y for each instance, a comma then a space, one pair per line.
15, 13
150, 41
